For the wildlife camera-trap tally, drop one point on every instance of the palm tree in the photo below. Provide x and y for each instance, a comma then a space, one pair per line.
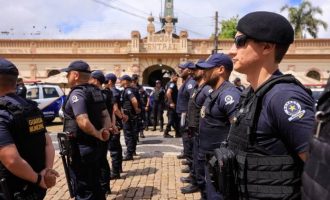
302, 18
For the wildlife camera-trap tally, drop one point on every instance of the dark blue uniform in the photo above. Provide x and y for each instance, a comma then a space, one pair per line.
195, 104
218, 108
29, 139
284, 127
184, 94
116, 151
131, 127
87, 157
144, 114
173, 119
21, 90
158, 107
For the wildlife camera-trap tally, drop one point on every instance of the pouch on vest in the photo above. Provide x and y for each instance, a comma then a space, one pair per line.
222, 167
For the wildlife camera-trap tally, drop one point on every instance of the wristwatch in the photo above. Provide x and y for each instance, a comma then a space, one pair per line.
38, 179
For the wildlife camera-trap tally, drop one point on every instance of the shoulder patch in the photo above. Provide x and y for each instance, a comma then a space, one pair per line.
210, 91
171, 85
129, 92
190, 86
74, 99
293, 109
229, 100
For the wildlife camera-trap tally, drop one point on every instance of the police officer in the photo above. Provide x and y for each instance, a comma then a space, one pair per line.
238, 84
87, 119
158, 103
271, 131
26, 150
136, 88
217, 111
114, 141
171, 100
97, 79
20, 88
131, 108
145, 110
316, 173
185, 91
196, 101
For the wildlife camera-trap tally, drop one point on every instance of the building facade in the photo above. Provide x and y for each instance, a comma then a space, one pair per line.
150, 56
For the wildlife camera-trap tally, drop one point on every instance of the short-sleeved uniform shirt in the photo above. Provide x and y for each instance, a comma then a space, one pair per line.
116, 95
287, 114
174, 89
184, 94
127, 95
6, 118
203, 94
76, 103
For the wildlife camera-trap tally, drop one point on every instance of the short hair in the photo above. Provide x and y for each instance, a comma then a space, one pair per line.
7, 80
280, 50
84, 76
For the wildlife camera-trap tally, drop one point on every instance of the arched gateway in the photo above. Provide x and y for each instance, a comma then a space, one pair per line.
156, 72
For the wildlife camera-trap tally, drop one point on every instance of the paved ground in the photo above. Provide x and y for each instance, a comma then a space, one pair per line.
153, 174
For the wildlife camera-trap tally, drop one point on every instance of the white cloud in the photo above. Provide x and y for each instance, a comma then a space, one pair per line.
89, 19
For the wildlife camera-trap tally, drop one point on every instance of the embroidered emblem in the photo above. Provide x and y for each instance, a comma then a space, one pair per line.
229, 100
74, 99
293, 109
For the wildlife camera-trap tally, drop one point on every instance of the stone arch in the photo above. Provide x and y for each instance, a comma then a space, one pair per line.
156, 72
314, 74
53, 72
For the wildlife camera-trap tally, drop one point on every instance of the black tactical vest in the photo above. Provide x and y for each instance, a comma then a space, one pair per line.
316, 175
194, 109
260, 174
108, 97
126, 102
95, 105
213, 131
28, 132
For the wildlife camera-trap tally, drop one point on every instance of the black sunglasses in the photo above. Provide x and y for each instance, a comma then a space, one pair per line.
240, 40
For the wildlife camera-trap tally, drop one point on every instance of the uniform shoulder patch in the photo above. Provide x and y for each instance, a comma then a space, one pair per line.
129, 92
74, 99
293, 109
172, 85
210, 91
229, 100
190, 86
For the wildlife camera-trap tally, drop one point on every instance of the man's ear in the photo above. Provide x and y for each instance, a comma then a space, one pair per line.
220, 70
268, 48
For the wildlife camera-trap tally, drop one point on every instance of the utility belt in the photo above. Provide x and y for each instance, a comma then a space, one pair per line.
222, 166
27, 192
131, 115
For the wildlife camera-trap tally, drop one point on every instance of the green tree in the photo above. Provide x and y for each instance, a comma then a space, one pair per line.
228, 28
303, 20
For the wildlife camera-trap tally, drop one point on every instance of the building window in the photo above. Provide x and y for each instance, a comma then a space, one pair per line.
314, 75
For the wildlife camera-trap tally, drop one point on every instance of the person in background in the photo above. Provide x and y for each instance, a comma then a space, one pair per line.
20, 88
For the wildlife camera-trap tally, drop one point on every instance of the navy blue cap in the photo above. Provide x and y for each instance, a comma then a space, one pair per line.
189, 65
111, 77
7, 67
135, 77
98, 74
267, 27
125, 77
216, 60
79, 65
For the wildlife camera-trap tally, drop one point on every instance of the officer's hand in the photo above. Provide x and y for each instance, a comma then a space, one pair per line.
115, 130
50, 177
125, 118
147, 108
42, 183
104, 134
172, 105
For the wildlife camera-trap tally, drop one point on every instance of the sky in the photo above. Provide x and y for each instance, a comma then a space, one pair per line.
115, 19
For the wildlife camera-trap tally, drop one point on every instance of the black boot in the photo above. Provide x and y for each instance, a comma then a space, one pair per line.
189, 189
154, 129
142, 135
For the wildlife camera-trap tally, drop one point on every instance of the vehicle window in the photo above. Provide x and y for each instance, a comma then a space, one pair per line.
50, 92
32, 93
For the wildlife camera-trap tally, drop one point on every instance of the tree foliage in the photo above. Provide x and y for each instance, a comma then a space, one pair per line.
303, 20
228, 28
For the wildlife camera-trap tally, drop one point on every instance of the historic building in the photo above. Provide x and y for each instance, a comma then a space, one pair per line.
151, 56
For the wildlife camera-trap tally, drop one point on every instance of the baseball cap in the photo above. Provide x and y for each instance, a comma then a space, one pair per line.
79, 65
7, 67
189, 65
98, 74
216, 60
125, 77
111, 77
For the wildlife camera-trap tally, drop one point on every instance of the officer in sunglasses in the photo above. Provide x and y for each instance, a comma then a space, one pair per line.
275, 115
